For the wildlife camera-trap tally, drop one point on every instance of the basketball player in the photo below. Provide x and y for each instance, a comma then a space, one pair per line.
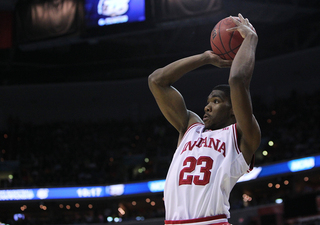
215, 151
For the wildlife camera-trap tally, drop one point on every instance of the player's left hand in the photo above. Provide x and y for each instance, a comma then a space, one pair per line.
215, 60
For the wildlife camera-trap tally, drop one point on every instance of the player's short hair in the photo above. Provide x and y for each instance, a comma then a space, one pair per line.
225, 88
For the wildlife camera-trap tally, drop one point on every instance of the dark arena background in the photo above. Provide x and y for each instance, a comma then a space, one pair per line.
82, 139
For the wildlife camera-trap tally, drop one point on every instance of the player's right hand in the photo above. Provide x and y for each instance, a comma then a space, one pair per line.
243, 26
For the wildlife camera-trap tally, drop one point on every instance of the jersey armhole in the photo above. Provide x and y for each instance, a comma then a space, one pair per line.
235, 138
189, 128
235, 132
252, 163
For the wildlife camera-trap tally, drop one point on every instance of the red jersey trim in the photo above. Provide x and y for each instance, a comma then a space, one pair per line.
234, 127
252, 163
189, 128
235, 137
203, 219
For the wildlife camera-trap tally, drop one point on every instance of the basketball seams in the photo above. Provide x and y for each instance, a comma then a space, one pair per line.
222, 42
226, 51
230, 47
212, 41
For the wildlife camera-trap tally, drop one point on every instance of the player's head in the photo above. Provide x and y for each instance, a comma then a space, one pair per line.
218, 111
225, 88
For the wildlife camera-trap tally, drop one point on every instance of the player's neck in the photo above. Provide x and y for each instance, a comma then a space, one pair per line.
212, 128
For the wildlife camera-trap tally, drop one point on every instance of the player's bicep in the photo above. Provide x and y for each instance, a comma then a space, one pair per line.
241, 105
246, 122
172, 105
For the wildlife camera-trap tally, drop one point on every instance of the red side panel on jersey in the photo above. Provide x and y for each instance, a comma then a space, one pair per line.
235, 136
234, 127
252, 162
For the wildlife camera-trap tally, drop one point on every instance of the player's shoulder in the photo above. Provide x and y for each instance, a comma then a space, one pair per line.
193, 120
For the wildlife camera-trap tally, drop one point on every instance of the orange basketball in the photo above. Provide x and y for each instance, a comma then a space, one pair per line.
224, 43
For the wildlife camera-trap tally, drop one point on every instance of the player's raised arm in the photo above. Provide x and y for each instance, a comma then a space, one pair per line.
169, 100
239, 80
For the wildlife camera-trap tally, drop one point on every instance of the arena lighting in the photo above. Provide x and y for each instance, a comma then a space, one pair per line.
18, 216
121, 211
139, 218
291, 166
264, 153
146, 187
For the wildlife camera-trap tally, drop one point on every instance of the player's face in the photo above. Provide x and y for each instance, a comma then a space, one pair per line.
218, 111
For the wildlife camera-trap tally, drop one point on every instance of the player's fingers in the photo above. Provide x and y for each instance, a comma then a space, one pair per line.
235, 21
241, 17
243, 20
232, 29
246, 21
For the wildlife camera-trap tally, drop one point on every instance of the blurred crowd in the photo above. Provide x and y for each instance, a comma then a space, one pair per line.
110, 152
292, 124
85, 153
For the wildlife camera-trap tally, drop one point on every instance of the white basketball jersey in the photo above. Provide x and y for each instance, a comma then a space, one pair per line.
203, 171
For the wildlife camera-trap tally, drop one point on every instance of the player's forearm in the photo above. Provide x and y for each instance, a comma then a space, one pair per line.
174, 71
243, 63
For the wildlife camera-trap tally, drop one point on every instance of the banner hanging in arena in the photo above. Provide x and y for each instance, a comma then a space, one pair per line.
175, 9
38, 19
